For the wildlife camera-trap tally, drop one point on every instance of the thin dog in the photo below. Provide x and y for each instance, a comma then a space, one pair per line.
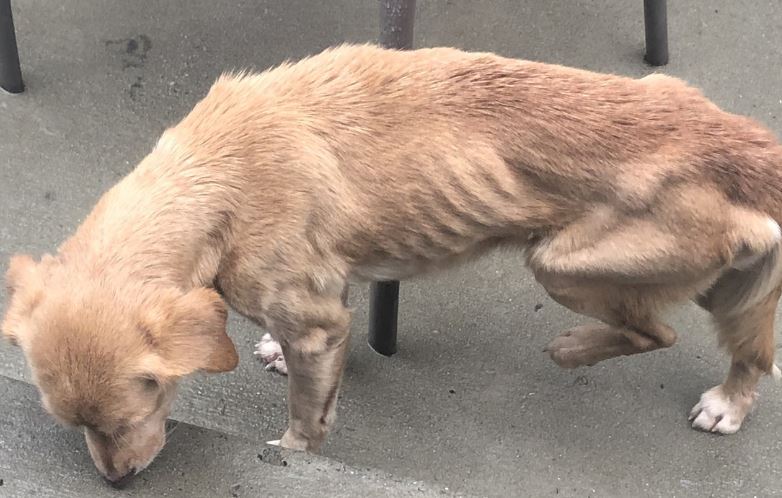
627, 196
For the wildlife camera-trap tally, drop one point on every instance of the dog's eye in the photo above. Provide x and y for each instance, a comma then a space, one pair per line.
119, 431
150, 384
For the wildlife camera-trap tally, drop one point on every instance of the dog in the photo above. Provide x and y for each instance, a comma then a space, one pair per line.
626, 197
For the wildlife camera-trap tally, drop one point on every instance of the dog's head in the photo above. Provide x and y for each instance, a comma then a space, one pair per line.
107, 357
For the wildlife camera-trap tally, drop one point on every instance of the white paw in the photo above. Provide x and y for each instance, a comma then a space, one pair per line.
270, 352
716, 412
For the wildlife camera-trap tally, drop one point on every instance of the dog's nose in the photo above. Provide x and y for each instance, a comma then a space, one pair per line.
119, 481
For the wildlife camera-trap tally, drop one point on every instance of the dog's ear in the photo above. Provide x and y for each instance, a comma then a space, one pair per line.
23, 273
21, 269
190, 335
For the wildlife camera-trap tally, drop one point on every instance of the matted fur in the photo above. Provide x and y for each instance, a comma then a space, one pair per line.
362, 163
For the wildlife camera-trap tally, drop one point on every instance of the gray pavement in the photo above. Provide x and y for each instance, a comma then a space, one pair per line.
197, 462
469, 403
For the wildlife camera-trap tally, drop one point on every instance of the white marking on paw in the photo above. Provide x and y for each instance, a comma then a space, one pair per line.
776, 373
276, 442
716, 412
270, 352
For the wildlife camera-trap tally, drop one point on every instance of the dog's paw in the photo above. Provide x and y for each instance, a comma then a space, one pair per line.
717, 412
583, 346
270, 352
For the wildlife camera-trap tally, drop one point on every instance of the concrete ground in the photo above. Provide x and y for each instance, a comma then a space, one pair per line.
470, 405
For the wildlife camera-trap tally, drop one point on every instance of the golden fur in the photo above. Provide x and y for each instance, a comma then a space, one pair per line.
361, 163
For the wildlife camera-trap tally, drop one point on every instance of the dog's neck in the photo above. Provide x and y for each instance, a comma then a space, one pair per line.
168, 222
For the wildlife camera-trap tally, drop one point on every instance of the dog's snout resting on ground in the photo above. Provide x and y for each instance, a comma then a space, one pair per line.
627, 196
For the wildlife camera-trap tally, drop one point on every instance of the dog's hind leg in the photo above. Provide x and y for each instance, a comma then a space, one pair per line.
623, 269
313, 330
746, 329
630, 325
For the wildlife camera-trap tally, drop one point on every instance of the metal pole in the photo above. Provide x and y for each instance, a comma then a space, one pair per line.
396, 31
10, 72
656, 23
396, 23
383, 310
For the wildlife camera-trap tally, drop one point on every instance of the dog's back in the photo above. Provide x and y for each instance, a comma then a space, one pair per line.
425, 154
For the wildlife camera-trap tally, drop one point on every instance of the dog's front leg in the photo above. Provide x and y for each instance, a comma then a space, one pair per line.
314, 379
270, 350
314, 333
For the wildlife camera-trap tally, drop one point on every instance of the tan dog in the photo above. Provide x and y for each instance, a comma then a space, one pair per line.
361, 163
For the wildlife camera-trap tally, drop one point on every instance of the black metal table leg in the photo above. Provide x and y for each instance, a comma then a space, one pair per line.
656, 23
10, 72
383, 310
396, 23
396, 31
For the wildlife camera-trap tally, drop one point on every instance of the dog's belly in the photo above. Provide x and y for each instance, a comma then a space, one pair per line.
392, 268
